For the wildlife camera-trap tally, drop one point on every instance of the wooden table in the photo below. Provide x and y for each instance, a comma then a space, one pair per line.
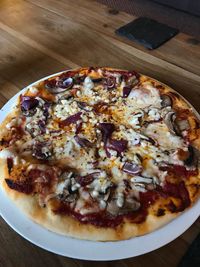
40, 37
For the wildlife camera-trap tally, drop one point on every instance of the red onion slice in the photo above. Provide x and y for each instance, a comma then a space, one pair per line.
78, 127
28, 103
71, 119
83, 142
117, 145
28, 106
106, 129
42, 126
60, 86
132, 168
126, 91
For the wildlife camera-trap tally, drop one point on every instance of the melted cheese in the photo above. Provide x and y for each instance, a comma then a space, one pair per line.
165, 139
145, 96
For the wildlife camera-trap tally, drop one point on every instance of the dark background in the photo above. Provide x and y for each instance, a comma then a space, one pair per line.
190, 6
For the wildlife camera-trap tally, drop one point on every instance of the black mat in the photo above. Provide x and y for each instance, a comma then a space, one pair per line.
147, 32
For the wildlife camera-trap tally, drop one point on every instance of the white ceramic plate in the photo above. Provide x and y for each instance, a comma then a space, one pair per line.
89, 250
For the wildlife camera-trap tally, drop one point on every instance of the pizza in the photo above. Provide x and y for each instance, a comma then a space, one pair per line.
101, 154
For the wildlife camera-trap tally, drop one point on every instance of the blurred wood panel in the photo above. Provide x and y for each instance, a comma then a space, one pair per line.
38, 38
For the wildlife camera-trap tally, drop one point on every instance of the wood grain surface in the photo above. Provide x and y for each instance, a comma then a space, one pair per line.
41, 37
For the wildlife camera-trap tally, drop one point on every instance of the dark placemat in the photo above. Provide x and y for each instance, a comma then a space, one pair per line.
148, 32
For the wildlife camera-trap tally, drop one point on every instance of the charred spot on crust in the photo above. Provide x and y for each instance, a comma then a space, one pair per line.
23, 187
160, 212
4, 142
9, 164
171, 207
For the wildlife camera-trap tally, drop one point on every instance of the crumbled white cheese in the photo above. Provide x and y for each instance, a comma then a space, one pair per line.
113, 153
65, 109
89, 210
116, 172
102, 153
68, 148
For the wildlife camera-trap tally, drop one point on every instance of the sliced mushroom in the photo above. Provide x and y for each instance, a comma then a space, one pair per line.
193, 158
132, 168
183, 125
139, 187
148, 139
169, 120
71, 197
141, 179
67, 190
166, 101
112, 207
130, 205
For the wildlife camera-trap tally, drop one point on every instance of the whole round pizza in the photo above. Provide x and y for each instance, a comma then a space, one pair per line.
101, 154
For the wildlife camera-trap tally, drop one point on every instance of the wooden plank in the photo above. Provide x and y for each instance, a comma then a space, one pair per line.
22, 64
106, 23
